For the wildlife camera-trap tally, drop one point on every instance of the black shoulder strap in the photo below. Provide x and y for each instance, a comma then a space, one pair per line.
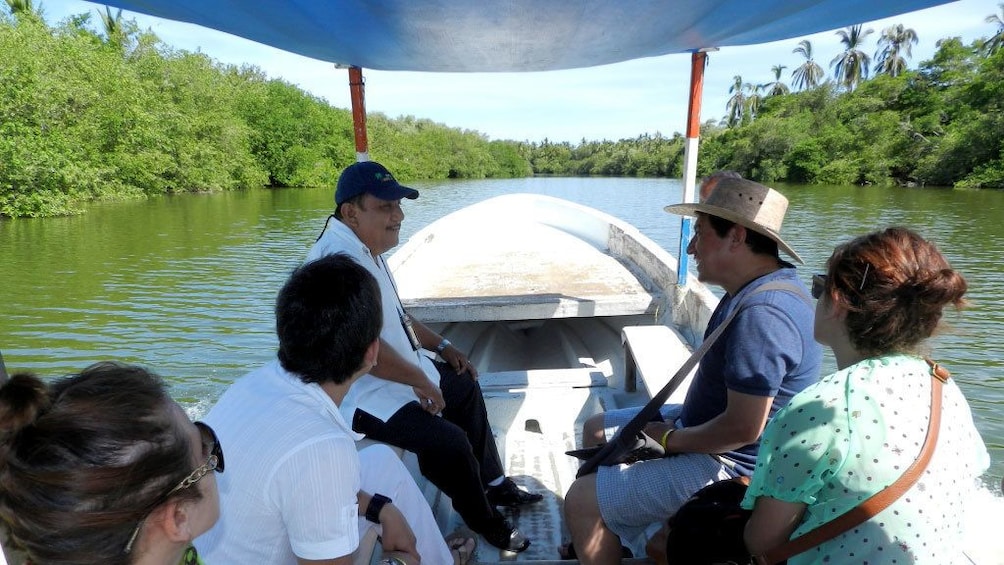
623, 441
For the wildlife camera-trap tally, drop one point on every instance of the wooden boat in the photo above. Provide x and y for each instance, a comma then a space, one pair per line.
543, 292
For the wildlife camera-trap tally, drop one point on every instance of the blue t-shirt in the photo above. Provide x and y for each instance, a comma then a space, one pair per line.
767, 350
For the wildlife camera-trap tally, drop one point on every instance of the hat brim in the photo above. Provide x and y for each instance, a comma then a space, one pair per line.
702, 208
401, 191
394, 192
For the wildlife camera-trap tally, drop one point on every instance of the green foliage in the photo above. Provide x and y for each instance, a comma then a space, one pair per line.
996, 41
942, 124
113, 113
644, 156
805, 161
299, 140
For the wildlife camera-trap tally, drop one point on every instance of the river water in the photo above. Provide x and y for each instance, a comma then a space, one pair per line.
185, 284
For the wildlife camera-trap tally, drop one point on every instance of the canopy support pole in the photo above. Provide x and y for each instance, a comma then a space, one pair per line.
697, 62
357, 86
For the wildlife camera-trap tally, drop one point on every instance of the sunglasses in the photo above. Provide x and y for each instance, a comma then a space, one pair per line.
818, 285
214, 462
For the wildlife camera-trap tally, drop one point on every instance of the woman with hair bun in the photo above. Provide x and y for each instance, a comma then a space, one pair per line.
103, 467
854, 432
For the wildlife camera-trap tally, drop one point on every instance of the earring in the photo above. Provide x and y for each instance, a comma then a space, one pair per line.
191, 556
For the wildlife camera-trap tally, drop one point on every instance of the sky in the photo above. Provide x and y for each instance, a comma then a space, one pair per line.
611, 102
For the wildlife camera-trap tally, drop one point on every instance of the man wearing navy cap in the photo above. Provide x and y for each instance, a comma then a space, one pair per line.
397, 402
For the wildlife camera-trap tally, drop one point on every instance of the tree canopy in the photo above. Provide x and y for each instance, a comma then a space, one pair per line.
942, 125
102, 110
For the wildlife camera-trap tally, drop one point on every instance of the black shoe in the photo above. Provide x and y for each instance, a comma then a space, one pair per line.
500, 533
508, 494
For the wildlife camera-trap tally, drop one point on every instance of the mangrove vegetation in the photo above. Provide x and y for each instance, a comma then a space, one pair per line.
95, 108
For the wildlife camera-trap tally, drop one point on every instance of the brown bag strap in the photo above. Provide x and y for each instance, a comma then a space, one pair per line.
878, 501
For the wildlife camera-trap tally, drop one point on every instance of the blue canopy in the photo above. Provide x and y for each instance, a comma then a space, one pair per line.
513, 35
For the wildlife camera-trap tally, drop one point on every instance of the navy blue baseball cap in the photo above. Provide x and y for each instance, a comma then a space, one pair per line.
373, 178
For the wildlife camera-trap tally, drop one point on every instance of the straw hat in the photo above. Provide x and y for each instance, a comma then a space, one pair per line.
747, 203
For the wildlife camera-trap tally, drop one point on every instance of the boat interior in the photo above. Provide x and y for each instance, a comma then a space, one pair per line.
541, 380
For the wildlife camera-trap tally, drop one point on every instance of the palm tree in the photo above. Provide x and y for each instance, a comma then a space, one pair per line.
895, 40
753, 100
997, 41
851, 66
24, 9
809, 74
777, 87
113, 26
736, 105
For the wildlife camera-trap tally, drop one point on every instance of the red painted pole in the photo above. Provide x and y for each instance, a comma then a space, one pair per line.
697, 63
358, 91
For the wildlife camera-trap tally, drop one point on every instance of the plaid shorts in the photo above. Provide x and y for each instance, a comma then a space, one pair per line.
633, 497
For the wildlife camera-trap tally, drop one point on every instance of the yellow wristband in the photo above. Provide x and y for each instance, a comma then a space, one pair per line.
665, 438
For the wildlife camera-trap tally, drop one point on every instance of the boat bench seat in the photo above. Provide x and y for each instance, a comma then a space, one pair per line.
543, 378
532, 307
653, 354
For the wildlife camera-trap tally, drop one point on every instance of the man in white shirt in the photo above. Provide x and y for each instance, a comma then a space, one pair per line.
397, 402
296, 490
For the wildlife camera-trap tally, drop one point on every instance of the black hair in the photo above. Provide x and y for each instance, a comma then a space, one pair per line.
327, 315
85, 460
355, 200
756, 241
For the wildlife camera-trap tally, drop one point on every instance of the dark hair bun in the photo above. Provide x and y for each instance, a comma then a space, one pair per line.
940, 288
22, 399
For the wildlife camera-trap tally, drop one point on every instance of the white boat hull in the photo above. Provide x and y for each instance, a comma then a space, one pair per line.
525, 259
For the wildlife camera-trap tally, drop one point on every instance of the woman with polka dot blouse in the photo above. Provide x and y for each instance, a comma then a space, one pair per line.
854, 432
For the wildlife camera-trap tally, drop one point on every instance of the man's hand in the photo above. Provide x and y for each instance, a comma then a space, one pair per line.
397, 535
459, 361
430, 397
657, 431
453, 356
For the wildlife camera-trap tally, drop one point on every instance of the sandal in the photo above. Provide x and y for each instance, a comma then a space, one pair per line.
462, 545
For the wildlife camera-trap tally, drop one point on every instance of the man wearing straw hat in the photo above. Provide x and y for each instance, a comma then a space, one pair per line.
764, 356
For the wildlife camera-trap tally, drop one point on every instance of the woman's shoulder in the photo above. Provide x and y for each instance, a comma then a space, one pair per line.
885, 373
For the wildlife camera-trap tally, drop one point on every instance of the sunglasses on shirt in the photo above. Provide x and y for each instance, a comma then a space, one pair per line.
818, 285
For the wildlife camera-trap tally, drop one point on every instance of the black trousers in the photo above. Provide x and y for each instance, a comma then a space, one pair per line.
456, 452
